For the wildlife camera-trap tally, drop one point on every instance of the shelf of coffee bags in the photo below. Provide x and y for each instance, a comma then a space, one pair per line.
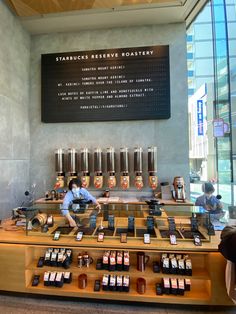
199, 291
95, 261
197, 273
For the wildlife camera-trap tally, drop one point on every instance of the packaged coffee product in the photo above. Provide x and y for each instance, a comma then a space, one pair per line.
166, 266
66, 261
47, 258
67, 277
119, 281
112, 283
59, 259
174, 265
163, 256
174, 286
59, 280
188, 267
46, 276
53, 261
52, 278
166, 285
112, 263
181, 267
119, 261
69, 254
126, 283
181, 286
105, 282
187, 284
126, 261
105, 260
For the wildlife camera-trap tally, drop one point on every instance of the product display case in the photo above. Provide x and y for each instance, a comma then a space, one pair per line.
124, 252
131, 220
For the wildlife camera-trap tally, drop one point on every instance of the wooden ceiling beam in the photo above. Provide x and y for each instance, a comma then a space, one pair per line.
25, 8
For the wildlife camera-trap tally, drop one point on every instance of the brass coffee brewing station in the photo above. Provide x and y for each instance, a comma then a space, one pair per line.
72, 164
124, 168
98, 177
152, 167
85, 178
138, 167
179, 189
60, 169
111, 167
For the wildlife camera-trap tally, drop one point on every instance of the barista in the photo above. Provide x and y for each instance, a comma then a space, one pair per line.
208, 201
76, 192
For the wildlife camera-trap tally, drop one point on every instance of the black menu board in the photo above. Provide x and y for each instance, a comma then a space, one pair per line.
106, 85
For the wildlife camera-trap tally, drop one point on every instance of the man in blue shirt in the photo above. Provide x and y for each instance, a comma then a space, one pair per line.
208, 200
76, 192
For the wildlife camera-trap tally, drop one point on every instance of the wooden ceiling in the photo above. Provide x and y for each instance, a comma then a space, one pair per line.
30, 8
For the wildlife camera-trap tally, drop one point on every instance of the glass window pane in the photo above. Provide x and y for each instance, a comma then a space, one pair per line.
231, 30
204, 67
203, 31
203, 49
232, 46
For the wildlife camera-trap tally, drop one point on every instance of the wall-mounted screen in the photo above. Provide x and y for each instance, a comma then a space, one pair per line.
106, 85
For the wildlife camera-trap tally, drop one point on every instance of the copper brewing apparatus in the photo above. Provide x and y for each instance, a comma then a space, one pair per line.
98, 177
124, 168
152, 167
138, 167
111, 167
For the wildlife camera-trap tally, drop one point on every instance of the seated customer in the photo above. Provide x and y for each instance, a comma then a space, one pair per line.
76, 193
208, 201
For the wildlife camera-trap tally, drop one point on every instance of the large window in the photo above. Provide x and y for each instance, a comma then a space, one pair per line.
212, 43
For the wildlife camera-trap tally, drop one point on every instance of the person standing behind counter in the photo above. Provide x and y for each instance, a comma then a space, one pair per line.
76, 192
208, 201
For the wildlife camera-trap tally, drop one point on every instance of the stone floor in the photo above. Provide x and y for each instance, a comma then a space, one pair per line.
22, 305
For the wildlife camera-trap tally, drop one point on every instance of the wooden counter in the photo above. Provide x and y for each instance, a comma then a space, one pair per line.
19, 255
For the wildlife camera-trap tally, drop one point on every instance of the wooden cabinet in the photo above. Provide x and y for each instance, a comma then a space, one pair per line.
19, 254
207, 280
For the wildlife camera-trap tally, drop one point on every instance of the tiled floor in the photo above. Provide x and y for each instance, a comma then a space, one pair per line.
22, 305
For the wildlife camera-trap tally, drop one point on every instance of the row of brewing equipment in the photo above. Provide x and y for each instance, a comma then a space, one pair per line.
67, 161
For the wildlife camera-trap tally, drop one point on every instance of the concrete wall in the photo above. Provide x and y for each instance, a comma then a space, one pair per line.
170, 136
14, 120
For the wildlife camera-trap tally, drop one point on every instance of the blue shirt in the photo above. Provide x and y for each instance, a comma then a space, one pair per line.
212, 201
83, 194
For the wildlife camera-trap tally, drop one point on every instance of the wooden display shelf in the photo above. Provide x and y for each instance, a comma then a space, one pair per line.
20, 253
133, 272
199, 293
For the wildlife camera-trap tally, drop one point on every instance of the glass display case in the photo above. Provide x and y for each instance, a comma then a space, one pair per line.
114, 220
